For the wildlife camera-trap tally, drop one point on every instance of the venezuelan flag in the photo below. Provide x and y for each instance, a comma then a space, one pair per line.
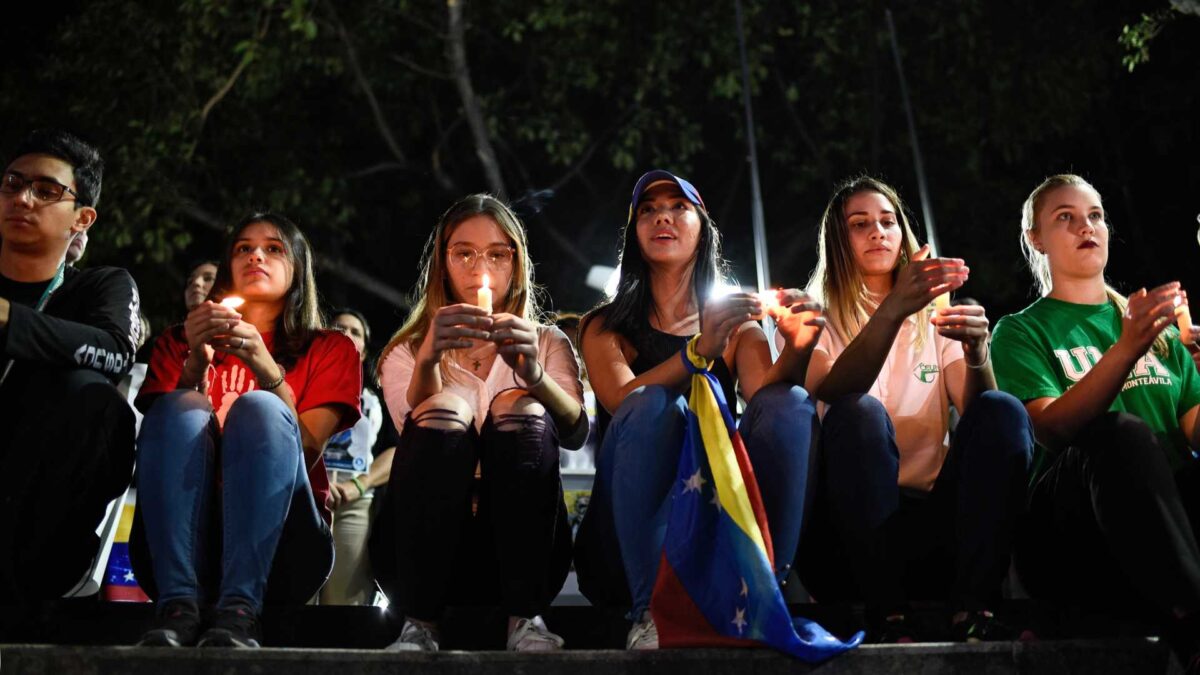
716, 585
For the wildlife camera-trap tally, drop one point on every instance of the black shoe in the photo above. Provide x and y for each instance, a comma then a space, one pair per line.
234, 626
983, 626
178, 625
893, 630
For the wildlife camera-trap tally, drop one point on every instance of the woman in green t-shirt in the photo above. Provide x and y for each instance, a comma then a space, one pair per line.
1113, 395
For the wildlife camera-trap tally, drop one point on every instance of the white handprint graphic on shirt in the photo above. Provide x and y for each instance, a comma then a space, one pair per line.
233, 384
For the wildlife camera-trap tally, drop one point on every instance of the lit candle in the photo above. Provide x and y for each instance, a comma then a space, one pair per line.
769, 300
1183, 317
232, 302
485, 294
942, 301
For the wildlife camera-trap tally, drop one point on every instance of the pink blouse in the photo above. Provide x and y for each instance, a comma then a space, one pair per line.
555, 353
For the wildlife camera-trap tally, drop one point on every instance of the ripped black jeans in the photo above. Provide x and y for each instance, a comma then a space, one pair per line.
431, 546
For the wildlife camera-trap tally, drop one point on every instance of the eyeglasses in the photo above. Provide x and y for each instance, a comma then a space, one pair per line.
496, 257
43, 189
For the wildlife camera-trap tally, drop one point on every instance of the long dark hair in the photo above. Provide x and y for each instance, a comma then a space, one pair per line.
301, 317
627, 312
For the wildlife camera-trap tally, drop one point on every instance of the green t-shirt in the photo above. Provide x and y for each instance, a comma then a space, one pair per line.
1050, 345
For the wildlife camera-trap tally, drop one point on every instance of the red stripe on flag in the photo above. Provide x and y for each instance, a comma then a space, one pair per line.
679, 621
756, 502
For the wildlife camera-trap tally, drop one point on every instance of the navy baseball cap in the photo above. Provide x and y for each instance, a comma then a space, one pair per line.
658, 176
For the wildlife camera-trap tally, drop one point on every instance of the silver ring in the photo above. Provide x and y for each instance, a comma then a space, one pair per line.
242, 343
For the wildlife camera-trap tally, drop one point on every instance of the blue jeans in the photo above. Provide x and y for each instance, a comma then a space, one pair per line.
265, 502
874, 541
639, 458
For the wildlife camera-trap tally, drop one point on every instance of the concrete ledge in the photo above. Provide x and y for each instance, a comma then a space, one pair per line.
1064, 656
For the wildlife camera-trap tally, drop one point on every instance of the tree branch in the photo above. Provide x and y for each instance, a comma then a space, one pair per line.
413, 65
456, 53
381, 124
223, 91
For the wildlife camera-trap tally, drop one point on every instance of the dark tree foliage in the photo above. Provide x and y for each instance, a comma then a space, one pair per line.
364, 120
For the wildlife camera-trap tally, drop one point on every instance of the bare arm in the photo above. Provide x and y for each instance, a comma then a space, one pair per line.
1056, 421
799, 321
972, 375
604, 352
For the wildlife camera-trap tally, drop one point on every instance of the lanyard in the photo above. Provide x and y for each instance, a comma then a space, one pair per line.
40, 306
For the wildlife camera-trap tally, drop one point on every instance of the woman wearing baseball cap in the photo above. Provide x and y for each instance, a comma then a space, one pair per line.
670, 267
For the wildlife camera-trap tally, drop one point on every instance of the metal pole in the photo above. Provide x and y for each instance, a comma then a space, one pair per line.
919, 165
761, 262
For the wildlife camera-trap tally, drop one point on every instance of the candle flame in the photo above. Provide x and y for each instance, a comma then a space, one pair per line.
487, 282
232, 302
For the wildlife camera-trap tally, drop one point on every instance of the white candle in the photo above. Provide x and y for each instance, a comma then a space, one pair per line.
484, 299
942, 301
1183, 317
232, 302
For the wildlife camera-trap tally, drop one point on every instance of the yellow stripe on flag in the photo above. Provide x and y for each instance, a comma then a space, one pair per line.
727, 475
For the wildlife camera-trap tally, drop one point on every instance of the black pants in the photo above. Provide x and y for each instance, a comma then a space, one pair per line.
66, 451
1110, 524
428, 549
871, 540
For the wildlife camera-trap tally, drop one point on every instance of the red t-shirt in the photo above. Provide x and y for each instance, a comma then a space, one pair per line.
329, 373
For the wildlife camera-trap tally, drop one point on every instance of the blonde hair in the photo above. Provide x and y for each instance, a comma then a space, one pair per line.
433, 290
837, 282
1039, 262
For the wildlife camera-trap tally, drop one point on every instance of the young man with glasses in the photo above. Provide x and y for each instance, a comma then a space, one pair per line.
66, 336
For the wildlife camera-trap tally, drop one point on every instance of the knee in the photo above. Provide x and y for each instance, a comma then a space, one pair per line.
782, 399
858, 410
1003, 417
1121, 442
177, 405
444, 411
254, 408
516, 402
648, 403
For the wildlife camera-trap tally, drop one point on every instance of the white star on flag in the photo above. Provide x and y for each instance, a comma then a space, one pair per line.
745, 589
739, 620
129, 576
694, 483
716, 501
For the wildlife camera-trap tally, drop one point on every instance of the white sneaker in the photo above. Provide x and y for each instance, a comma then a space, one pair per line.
643, 635
414, 637
531, 635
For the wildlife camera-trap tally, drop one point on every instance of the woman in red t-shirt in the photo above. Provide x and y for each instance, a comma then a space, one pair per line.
239, 403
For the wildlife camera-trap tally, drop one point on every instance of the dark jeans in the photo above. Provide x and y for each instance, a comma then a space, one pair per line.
66, 451
621, 538
874, 541
226, 515
1109, 524
427, 547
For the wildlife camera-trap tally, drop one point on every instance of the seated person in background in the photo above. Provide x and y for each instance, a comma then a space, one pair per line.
469, 387
354, 473
231, 484
199, 282
1114, 506
66, 336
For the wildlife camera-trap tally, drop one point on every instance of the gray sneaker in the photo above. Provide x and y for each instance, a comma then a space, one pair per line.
643, 635
414, 637
531, 635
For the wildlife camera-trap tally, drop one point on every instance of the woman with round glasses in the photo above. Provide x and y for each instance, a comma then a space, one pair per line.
470, 387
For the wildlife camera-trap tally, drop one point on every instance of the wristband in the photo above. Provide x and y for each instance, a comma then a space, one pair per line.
274, 384
361, 491
530, 385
